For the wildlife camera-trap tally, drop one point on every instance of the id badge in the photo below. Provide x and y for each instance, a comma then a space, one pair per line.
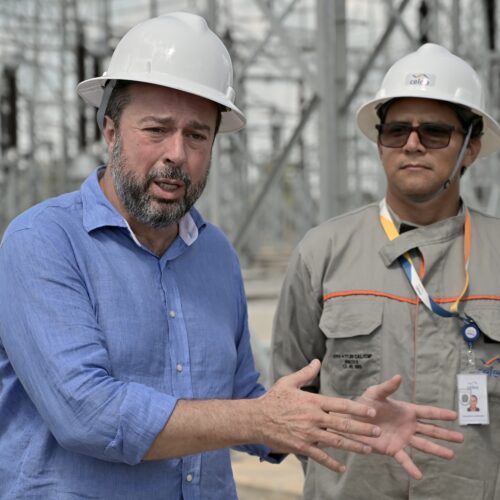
472, 399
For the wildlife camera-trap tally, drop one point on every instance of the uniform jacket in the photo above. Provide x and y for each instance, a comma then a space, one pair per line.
347, 301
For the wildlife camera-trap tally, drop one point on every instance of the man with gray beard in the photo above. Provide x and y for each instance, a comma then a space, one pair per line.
125, 363
136, 198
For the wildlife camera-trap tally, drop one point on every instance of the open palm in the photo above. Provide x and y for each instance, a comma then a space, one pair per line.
401, 428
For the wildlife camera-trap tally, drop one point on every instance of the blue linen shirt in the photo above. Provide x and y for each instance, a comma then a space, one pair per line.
99, 338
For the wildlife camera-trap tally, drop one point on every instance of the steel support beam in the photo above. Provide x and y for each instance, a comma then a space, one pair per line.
395, 19
247, 63
61, 173
278, 166
308, 74
331, 81
214, 181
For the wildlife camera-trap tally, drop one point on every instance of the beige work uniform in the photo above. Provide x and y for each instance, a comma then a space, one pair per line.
347, 301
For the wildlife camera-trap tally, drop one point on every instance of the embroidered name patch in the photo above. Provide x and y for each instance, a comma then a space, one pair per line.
353, 361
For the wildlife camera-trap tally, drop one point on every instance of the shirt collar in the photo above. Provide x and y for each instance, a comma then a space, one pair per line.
188, 230
98, 211
404, 226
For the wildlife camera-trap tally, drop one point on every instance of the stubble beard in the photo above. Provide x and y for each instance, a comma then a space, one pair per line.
139, 203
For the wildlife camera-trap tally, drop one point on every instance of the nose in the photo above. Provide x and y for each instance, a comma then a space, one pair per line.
413, 143
175, 149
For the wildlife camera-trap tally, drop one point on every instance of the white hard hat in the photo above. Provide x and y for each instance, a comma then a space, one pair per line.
432, 72
176, 50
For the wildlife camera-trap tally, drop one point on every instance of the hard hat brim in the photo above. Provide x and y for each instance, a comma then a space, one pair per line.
232, 120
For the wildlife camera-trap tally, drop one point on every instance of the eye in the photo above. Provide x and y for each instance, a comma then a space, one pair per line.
436, 129
397, 129
155, 130
197, 136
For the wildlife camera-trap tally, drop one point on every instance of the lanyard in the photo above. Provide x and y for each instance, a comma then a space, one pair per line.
470, 331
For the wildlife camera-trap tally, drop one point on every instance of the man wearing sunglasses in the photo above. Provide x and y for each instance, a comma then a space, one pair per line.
407, 285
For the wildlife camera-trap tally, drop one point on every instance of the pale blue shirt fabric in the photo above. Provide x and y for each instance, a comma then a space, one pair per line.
98, 340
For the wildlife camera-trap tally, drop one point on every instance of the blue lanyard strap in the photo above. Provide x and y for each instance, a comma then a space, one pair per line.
412, 275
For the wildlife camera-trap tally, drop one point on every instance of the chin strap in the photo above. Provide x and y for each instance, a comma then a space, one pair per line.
456, 168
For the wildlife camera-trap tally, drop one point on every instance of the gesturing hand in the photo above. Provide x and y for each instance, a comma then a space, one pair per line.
400, 426
296, 421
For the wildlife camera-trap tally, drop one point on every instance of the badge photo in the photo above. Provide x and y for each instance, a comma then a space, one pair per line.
472, 399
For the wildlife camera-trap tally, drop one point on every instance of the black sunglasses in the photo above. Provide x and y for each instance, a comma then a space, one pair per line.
431, 135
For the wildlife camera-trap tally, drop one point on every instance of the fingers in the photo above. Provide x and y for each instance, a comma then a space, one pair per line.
435, 413
347, 425
331, 439
346, 406
431, 448
383, 390
403, 459
304, 376
437, 432
323, 458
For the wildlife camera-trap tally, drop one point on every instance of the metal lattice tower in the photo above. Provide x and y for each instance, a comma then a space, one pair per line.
302, 69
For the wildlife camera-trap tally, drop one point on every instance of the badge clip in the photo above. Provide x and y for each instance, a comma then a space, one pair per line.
470, 332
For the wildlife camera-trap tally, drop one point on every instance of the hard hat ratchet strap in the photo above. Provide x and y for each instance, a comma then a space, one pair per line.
108, 89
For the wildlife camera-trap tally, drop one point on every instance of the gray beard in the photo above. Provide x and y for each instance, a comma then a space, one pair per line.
140, 204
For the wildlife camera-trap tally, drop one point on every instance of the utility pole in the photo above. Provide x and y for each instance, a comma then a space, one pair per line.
331, 88
214, 182
153, 8
32, 101
63, 162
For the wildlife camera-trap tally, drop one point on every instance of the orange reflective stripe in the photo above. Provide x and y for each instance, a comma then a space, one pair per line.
445, 300
334, 295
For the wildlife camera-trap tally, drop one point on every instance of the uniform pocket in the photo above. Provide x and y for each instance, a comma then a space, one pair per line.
487, 348
352, 329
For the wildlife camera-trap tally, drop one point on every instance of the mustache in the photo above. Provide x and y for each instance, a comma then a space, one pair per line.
167, 172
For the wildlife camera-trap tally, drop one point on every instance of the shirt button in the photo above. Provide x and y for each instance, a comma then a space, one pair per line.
171, 314
189, 478
179, 367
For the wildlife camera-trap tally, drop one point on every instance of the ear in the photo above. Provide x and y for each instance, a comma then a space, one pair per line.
472, 152
109, 132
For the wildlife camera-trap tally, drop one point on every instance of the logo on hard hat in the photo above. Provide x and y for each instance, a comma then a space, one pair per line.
420, 79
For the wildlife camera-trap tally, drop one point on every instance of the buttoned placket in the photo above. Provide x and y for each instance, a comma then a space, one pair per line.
178, 346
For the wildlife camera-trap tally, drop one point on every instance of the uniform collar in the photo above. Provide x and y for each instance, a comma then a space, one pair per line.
420, 236
405, 226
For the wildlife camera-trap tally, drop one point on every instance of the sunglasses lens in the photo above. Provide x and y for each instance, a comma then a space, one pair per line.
394, 135
431, 135
435, 135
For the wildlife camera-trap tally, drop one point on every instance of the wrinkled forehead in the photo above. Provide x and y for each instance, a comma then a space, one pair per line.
153, 100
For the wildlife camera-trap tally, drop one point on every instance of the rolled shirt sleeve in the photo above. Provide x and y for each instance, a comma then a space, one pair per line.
58, 351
